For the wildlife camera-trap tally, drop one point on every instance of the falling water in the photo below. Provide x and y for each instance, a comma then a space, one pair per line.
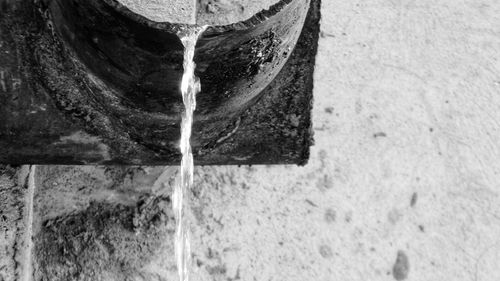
190, 87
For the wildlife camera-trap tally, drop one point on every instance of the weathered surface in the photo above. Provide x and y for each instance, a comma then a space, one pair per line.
104, 223
107, 102
406, 102
173, 11
13, 218
201, 12
223, 12
282, 114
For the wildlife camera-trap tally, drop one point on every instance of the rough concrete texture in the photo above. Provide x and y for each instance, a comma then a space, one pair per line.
223, 12
174, 11
103, 223
403, 180
202, 12
13, 222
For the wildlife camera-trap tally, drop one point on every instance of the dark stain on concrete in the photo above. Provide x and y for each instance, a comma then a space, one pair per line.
325, 251
211, 254
311, 203
348, 216
216, 270
325, 182
329, 110
394, 216
414, 199
330, 216
422, 228
401, 268
379, 135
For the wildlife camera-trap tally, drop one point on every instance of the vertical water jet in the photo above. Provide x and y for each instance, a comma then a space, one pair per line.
190, 86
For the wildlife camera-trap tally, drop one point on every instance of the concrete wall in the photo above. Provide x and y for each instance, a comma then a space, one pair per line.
14, 215
403, 183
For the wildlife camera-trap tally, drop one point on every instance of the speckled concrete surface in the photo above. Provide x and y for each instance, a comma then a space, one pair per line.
201, 12
176, 11
223, 12
403, 182
14, 216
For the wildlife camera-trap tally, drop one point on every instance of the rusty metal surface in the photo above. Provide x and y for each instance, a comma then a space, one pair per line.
37, 128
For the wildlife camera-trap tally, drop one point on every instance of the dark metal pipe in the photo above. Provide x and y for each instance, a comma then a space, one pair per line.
141, 61
116, 74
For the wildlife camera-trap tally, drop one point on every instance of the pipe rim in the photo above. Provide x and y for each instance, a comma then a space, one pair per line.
256, 19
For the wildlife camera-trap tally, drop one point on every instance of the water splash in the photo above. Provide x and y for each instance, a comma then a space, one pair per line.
190, 87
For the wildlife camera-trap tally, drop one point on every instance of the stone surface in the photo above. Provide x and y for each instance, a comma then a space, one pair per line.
406, 102
223, 12
103, 223
201, 12
173, 11
406, 158
13, 223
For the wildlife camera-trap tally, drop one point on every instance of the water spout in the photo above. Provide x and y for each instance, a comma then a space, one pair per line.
190, 87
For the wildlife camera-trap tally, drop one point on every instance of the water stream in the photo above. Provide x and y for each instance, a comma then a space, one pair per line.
190, 86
